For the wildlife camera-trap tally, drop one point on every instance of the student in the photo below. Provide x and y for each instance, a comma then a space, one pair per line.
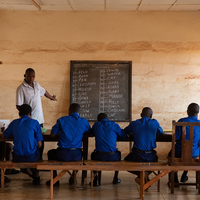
106, 132
70, 129
144, 132
30, 92
27, 139
192, 111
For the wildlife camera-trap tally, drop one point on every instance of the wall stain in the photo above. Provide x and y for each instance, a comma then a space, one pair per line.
91, 46
192, 77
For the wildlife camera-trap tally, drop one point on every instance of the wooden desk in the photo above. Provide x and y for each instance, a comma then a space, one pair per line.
48, 138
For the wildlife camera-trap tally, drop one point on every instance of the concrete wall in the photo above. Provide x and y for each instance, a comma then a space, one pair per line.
164, 48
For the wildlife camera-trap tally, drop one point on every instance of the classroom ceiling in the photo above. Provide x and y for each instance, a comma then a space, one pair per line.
101, 5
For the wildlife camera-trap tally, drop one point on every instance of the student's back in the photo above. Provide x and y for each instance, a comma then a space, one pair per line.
106, 132
71, 129
192, 111
27, 133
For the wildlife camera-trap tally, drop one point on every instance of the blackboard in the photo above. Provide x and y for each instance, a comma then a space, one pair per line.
102, 86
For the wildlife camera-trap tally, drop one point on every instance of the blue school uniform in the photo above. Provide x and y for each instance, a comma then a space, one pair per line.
144, 132
27, 133
106, 133
196, 137
71, 129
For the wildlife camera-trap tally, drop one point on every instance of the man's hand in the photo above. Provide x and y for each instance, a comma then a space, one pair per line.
53, 98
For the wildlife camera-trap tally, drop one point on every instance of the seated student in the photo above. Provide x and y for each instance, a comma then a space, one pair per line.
106, 132
71, 129
192, 111
144, 132
27, 139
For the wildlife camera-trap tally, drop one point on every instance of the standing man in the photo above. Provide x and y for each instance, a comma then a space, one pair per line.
30, 92
144, 132
106, 133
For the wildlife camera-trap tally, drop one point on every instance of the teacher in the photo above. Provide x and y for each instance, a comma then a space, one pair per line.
30, 92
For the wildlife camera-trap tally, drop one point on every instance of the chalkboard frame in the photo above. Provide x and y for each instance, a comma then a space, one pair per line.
129, 90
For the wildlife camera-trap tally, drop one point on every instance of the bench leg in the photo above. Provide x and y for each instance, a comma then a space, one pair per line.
2, 180
142, 185
51, 185
60, 175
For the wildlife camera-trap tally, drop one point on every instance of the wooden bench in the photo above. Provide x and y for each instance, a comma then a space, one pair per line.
163, 167
130, 166
11, 165
112, 166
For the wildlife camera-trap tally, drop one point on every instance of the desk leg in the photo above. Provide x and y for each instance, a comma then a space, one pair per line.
142, 185
130, 146
85, 157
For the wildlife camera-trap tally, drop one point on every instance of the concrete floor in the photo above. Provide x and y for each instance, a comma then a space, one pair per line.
21, 188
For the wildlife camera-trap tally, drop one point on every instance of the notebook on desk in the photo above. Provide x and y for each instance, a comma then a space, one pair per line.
4, 123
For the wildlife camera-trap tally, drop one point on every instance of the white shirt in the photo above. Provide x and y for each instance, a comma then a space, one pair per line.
31, 96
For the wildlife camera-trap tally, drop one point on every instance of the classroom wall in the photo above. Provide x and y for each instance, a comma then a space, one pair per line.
164, 48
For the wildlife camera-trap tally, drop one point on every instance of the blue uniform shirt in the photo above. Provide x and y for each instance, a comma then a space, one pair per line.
27, 133
144, 131
71, 129
196, 135
105, 133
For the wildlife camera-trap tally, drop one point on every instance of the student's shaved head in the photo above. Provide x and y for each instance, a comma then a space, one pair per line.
147, 112
74, 107
193, 109
101, 116
25, 109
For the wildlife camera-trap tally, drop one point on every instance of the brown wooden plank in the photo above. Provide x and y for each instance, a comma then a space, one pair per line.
156, 178
123, 162
142, 185
117, 167
11, 165
61, 174
51, 185
2, 180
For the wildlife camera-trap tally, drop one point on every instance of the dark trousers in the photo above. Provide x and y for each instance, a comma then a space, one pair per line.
139, 156
115, 156
177, 155
64, 155
106, 157
29, 158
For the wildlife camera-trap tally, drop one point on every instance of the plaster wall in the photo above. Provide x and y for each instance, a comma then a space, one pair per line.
164, 48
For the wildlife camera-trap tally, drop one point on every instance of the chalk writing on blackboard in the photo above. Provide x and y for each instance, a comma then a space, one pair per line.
102, 86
